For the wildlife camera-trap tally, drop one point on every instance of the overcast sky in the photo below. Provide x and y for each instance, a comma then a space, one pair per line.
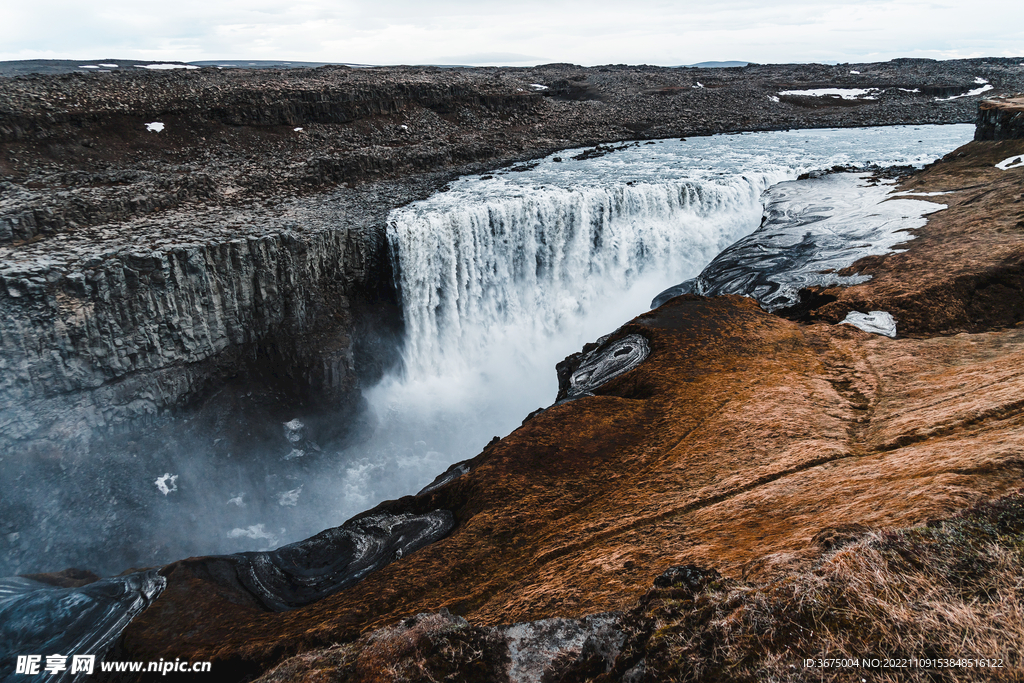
514, 33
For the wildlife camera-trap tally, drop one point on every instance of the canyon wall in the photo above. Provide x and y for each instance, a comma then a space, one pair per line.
95, 344
1001, 119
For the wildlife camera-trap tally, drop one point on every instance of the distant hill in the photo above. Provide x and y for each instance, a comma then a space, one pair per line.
717, 65
267, 64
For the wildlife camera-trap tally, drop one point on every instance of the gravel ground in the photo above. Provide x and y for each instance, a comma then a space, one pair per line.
241, 149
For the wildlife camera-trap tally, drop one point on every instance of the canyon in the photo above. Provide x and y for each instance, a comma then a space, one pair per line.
144, 272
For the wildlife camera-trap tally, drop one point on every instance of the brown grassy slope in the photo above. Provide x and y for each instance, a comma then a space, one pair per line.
941, 602
964, 272
741, 438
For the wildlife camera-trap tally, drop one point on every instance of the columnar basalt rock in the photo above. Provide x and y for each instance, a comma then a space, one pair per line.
110, 335
1001, 119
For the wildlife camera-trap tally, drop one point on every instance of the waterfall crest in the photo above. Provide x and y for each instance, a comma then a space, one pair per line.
531, 266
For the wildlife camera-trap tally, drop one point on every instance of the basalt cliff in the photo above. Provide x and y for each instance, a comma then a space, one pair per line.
718, 492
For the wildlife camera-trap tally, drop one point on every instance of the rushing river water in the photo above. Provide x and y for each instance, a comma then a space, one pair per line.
501, 276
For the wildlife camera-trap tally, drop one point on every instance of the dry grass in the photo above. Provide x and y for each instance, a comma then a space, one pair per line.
951, 590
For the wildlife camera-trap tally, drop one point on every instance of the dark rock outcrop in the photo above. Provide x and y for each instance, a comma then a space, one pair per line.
304, 572
115, 334
1001, 119
44, 619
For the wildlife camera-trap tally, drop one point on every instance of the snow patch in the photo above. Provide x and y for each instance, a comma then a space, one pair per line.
876, 322
845, 93
699, 85
538, 86
854, 72
87, 66
911, 193
1012, 162
972, 93
980, 81
167, 483
110, 66
773, 98
154, 127
297, 129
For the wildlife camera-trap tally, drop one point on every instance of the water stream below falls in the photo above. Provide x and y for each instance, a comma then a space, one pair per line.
501, 276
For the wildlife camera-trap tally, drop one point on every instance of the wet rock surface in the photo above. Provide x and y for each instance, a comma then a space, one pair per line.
39, 617
811, 230
962, 271
304, 572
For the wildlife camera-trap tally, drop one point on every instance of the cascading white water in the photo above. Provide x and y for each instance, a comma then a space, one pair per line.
528, 268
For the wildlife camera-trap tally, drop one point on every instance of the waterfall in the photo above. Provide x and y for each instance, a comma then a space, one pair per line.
529, 267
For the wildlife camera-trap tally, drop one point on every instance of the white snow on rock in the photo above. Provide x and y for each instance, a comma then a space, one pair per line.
876, 322
1012, 162
845, 93
167, 483
979, 80
972, 93
87, 66
699, 85
297, 129
773, 98
110, 66
854, 72
538, 86
911, 193
155, 127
